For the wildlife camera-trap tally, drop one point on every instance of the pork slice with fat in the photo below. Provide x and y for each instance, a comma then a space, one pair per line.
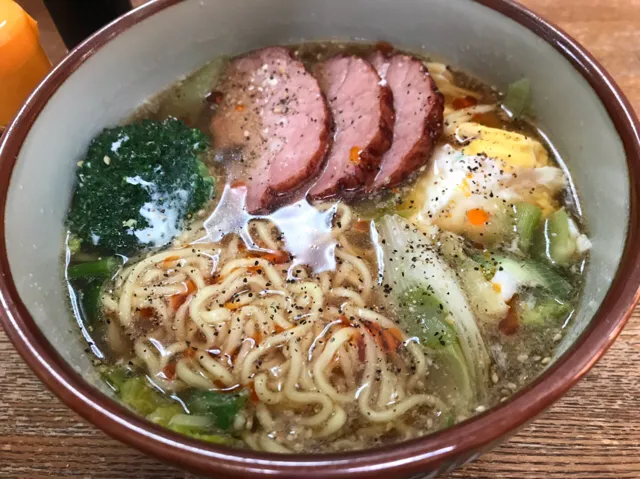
419, 109
271, 109
362, 109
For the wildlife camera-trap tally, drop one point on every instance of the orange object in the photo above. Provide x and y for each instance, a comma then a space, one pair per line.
177, 300
169, 371
354, 154
23, 63
511, 323
257, 337
389, 339
275, 257
166, 263
477, 217
234, 304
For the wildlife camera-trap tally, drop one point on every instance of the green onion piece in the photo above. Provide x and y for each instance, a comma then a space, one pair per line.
527, 218
90, 300
102, 268
554, 241
518, 98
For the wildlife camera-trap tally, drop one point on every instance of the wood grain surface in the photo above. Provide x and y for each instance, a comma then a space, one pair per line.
594, 432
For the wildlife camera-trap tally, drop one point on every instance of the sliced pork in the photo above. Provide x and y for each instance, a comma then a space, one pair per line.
419, 109
272, 109
362, 109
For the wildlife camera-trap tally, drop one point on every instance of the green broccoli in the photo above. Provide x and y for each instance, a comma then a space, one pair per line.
138, 184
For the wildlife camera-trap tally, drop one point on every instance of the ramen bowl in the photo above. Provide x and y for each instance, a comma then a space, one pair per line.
113, 72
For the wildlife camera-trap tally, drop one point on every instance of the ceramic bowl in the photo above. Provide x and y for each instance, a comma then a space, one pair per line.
107, 77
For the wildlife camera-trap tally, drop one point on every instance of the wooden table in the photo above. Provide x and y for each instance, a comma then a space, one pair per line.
594, 432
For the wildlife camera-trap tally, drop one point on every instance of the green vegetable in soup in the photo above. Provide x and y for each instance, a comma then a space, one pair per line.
486, 302
214, 439
527, 219
432, 306
527, 272
204, 436
427, 319
424, 316
173, 417
116, 377
137, 185
500, 227
138, 394
209, 412
221, 407
163, 415
89, 278
103, 268
452, 379
90, 296
554, 241
518, 98
537, 309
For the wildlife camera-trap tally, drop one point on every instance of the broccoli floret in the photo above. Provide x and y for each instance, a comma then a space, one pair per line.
138, 184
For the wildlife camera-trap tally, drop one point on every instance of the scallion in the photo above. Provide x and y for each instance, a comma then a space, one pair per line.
102, 268
527, 218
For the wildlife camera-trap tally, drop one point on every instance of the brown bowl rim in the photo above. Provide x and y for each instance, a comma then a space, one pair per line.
418, 455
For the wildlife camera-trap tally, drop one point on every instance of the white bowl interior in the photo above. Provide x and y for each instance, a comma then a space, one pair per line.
147, 58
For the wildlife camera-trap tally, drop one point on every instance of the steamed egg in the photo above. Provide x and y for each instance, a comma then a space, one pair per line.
471, 191
513, 149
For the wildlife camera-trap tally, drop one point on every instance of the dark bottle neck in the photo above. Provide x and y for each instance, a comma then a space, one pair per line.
78, 19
